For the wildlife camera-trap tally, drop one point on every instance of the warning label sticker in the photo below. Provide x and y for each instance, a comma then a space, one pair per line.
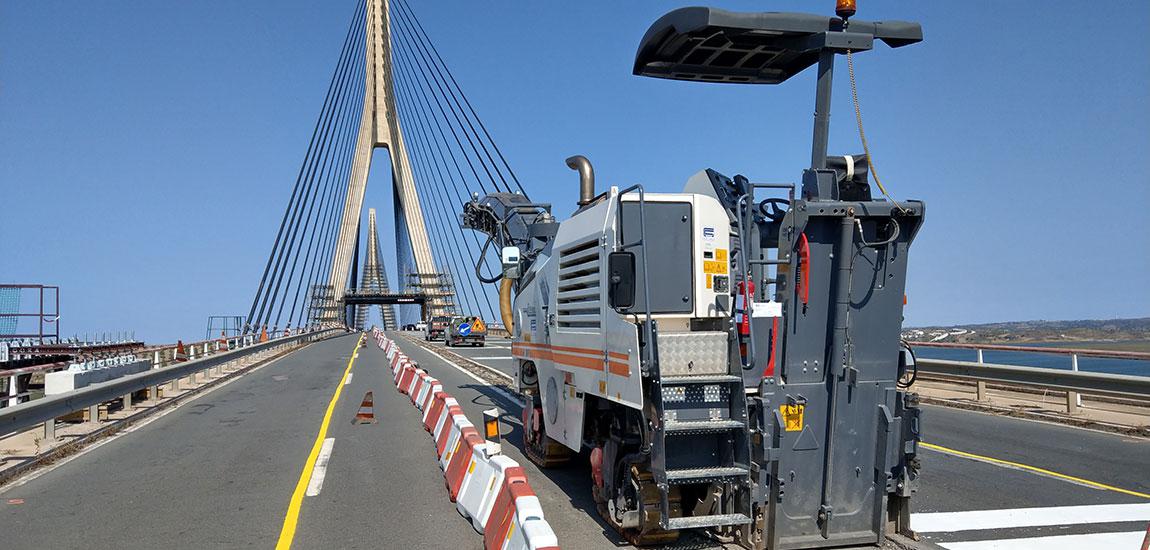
792, 417
721, 255
715, 267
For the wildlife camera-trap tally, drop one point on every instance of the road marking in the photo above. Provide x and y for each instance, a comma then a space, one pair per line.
975, 520
499, 390
291, 519
1034, 469
36, 473
499, 357
320, 471
347, 380
1059, 542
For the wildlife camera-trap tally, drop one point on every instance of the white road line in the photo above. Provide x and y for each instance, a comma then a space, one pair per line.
501, 391
1060, 542
319, 472
949, 522
499, 357
347, 380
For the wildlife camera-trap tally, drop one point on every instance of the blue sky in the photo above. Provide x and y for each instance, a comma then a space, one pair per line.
147, 149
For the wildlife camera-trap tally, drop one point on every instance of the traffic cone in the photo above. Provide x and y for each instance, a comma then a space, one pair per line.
264, 334
365, 414
223, 341
1146, 540
181, 353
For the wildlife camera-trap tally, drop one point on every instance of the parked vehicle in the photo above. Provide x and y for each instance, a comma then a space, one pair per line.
463, 329
436, 328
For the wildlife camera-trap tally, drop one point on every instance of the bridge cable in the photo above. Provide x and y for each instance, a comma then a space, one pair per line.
290, 250
426, 69
343, 178
423, 113
423, 150
474, 114
345, 133
446, 144
292, 201
405, 96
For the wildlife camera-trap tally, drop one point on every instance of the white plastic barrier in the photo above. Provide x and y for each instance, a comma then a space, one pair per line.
441, 423
426, 392
458, 422
481, 485
528, 513
416, 383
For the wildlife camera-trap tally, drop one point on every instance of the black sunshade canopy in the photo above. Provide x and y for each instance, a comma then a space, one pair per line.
714, 45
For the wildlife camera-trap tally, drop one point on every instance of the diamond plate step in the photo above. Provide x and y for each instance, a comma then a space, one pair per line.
691, 475
694, 522
705, 379
702, 426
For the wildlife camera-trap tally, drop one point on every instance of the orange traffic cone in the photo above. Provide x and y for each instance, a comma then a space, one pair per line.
365, 414
264, 334
223, 341
1146, 541
181, 353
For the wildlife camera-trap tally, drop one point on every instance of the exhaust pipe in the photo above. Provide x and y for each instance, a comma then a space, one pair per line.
586, 178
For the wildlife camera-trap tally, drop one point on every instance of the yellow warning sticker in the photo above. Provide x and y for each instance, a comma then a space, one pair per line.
792, 417
718, 268
720, 254
709, 279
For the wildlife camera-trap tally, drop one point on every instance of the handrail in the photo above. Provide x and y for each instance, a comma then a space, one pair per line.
1109, 354
1075, 381
31, 413
648, 331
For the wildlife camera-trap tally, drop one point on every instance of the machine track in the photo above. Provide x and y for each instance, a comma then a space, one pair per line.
648, 533
540, 449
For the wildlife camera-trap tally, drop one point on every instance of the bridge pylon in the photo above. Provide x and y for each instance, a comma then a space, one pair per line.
373, 279
380, 127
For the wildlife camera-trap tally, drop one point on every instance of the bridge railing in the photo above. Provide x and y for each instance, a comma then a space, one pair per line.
1072, 383
167, 367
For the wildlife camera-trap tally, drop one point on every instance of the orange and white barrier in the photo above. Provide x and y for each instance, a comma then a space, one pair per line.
488, 488
426, 391
479, 488
454, 438
433, 410
468, 444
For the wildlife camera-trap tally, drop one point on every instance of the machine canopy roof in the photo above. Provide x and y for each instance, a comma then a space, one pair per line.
714, 45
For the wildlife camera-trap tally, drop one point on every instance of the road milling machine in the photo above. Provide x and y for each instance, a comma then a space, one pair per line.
727, 358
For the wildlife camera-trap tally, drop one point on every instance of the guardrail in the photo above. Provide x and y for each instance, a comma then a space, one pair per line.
1073, 382
45, 410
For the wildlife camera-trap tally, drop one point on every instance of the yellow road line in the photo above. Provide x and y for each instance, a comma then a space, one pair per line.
287, 532
1034, 469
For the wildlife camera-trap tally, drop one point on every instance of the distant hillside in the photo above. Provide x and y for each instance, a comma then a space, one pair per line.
1108, 330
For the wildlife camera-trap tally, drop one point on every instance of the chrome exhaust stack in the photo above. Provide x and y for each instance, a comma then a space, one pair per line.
586, 178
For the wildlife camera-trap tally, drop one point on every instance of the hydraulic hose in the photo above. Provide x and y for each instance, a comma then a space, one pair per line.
505, 305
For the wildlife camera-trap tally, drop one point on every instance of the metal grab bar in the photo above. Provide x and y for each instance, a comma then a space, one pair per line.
648, 332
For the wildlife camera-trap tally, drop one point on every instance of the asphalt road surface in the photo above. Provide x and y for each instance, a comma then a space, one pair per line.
236, 467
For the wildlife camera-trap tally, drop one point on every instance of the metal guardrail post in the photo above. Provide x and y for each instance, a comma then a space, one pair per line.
126, 402
1073, 399
94, 413
50, 430
981, 384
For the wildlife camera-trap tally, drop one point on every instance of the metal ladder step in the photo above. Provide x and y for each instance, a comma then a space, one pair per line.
701, 426
702, 379
695, 475
694, 522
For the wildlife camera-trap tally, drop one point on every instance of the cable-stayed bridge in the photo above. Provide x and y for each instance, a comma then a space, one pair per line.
391, 89
287, 433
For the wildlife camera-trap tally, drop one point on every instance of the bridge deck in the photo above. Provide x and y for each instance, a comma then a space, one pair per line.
220, 470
